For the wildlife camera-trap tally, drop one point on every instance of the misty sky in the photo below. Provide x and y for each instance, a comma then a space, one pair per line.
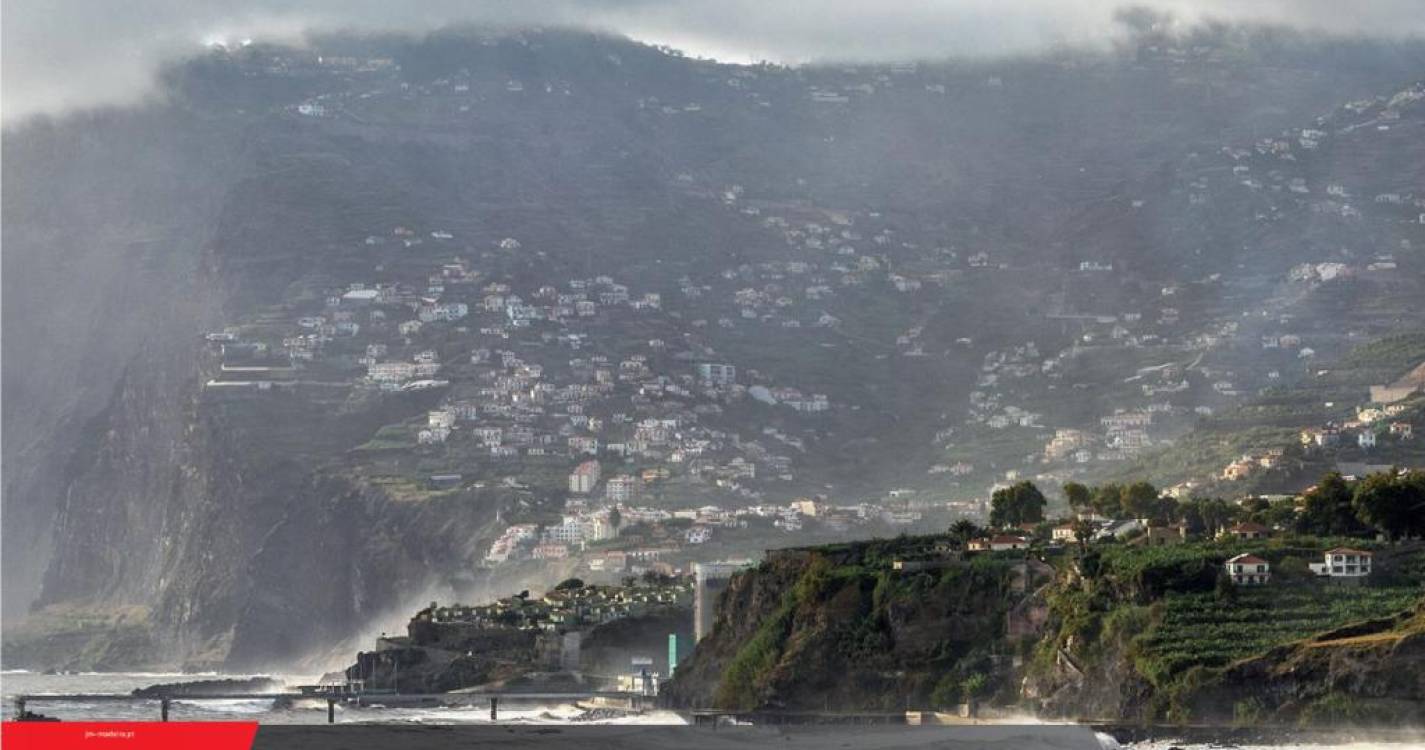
63, 54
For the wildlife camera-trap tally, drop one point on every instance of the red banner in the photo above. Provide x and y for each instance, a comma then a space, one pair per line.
127, 735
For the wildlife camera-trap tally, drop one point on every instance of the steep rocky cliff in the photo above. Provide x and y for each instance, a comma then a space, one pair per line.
1120, 634
840, 629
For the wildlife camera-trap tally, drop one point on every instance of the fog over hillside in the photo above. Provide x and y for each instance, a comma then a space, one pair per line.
78, 54
299, 329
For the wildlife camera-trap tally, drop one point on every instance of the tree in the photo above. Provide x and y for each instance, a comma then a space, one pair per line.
1108, 500
1280, 513
972, 687
568, 584
615, 518
1393, 503
1191, 515
1083, 531
1018, 503
1166, 509
1216, 514
1327, 509
964, 530
1078, 495
1140, 499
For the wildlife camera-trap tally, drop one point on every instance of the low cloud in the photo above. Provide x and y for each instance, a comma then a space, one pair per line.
61, 55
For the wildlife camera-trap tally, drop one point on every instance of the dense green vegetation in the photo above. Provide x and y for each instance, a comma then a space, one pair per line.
1199, 629
1165, 614
1019, 503
848, 612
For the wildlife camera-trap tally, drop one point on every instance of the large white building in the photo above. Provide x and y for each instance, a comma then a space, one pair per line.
584, 478
598, 528
389, 372
1343, 562
569, 531
622, 488
717, 374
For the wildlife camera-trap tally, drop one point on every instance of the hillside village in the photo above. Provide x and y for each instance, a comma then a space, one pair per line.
476, 311
660, 402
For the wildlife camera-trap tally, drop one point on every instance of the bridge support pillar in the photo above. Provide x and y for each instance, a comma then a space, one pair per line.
163, 709
331, 711
19, 708
494, 709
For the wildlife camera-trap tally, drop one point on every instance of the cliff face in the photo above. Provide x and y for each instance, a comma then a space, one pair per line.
107, 284
1122, 634
839, 629
151, 522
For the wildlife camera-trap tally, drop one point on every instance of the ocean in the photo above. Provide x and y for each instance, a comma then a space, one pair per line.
21, 682
314, 713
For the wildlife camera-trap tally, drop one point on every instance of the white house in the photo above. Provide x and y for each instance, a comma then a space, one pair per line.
1249, 570
1005, 542
1343, 562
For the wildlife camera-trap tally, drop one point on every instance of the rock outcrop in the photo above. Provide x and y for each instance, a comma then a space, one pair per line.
839, 628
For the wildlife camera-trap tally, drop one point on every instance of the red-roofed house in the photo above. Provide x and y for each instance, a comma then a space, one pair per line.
1249, 570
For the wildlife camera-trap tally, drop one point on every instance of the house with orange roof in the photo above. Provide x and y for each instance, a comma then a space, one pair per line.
1248, 570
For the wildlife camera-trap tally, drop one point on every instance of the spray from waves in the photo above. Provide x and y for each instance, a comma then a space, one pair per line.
557, 714
1106, 741
393, 619
158, 675
227, 706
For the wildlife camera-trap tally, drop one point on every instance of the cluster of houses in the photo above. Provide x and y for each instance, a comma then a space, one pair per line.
660, 408
1339, 564
1270, 170
1372, 422
512, 401
1253, 463
563, 609
617, 536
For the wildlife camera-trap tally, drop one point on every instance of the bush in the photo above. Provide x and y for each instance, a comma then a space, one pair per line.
1248, 711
